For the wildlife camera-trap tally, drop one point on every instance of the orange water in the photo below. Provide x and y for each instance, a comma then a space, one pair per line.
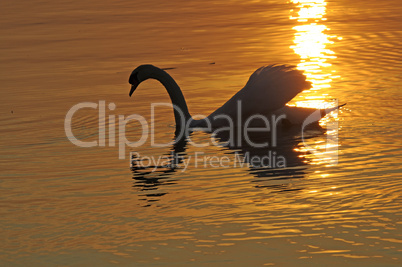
65, 205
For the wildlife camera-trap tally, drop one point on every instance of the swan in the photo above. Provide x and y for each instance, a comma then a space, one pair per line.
266, 93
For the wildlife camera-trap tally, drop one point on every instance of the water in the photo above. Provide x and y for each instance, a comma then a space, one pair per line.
66, 205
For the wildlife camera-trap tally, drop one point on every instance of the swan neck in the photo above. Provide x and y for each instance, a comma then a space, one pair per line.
180, 109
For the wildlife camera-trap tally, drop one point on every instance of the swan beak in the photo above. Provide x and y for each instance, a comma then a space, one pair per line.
133, 87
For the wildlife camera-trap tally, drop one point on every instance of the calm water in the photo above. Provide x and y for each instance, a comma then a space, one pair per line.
65, 205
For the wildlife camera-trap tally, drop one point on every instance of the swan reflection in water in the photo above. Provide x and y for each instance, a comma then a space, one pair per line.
151, 180
264, 96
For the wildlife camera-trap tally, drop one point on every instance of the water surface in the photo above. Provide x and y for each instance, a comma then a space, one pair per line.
66, 205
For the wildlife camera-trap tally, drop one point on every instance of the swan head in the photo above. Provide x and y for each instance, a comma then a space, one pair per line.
140, 74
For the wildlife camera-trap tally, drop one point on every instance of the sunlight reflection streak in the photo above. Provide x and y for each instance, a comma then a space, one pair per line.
311, 43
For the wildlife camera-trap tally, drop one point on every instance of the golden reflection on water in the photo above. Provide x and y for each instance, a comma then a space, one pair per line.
312, 44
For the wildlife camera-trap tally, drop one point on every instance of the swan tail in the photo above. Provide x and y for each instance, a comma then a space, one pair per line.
329, 110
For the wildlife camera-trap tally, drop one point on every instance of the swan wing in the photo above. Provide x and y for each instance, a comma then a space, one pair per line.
270, 88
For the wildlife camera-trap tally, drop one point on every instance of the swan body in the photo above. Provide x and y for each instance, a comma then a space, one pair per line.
266, 93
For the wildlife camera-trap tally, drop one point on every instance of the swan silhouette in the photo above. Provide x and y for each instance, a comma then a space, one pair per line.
266, 93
